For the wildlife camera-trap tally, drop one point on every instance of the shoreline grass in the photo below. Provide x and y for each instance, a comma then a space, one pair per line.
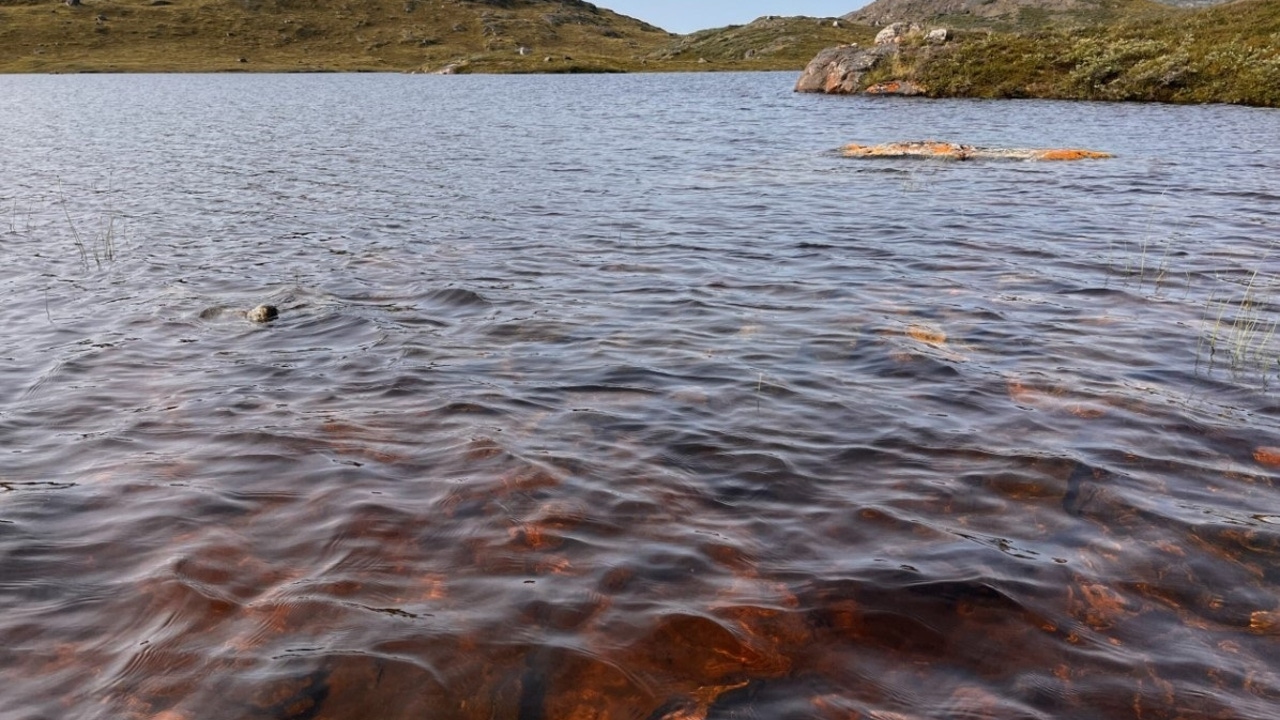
1243, 327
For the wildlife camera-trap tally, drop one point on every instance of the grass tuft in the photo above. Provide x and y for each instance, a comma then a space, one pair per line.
1243, 325
98, 247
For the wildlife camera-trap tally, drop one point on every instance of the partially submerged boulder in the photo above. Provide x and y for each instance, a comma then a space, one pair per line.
840, 70
262, 314
954, 151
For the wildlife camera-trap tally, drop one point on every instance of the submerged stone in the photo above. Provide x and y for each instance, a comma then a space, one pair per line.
1267, 456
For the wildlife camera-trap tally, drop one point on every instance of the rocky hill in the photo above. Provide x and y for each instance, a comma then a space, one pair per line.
308, 35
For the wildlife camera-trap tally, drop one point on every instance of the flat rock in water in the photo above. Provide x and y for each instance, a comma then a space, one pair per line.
956, 151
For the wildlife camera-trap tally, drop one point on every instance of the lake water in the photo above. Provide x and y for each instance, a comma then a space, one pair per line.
627, 397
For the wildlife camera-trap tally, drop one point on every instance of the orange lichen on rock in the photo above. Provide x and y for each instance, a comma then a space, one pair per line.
1269, 456
1072, 154
935, 149
924, 149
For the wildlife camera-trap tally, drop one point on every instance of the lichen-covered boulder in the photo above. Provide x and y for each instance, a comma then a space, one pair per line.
840, 70
892, 34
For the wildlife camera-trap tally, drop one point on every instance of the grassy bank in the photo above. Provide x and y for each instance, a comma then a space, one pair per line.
313, 35
1226, 54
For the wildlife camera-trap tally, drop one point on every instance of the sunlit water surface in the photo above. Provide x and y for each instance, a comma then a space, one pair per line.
629, 398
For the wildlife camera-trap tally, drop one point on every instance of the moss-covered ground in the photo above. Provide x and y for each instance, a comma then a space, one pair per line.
1228, 53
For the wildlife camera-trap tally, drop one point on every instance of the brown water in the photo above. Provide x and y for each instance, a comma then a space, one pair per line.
627, 397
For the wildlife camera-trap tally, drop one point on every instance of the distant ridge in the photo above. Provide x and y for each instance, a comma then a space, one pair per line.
311, 35
446, 36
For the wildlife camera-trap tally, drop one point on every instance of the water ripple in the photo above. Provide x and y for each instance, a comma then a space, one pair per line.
627, 397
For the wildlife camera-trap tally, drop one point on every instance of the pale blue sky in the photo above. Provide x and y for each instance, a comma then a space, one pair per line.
685, 16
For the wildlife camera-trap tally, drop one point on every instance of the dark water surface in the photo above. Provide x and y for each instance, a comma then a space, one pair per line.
628, 398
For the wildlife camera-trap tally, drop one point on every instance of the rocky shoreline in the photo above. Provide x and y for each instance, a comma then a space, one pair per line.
1213, 55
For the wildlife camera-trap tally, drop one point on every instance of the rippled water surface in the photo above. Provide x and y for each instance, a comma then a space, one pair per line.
629, 398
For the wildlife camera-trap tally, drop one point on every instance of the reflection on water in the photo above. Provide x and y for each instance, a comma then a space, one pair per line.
630, 398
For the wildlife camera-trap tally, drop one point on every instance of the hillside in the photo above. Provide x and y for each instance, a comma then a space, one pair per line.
1010, 15
774, 43
1226, 53
307, 35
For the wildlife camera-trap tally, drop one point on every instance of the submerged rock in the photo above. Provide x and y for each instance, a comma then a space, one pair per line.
841, 69
1269, 456
955, 151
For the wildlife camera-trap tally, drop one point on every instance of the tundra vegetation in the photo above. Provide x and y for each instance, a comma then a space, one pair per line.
1098, 50
1133, 50
512, 36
